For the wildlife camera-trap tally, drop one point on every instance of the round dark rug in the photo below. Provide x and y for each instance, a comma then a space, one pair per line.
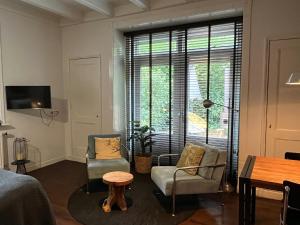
146, 205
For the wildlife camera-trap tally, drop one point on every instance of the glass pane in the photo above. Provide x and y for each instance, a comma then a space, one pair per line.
142, 47
145, 96
219, 93
221, 75
197, 44
160, 98
197, 92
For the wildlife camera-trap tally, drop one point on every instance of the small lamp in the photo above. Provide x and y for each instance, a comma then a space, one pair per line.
207, 103
294, 79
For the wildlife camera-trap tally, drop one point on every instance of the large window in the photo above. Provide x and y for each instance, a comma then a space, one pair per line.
170, 71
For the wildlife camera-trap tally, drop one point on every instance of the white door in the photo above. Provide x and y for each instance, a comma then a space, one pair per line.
283, 110
85, 94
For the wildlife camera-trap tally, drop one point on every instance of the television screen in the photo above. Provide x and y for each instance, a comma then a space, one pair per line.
28, 97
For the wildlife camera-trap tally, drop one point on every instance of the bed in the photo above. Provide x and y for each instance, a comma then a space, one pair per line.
23, 201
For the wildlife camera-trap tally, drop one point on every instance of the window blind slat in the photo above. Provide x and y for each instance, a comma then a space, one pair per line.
169, 72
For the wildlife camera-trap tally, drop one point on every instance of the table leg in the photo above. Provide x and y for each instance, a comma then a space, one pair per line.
245, 202
248, 203
253, 204
247, 194
241, 201
111, 199
18, 169
21, 169
121, 198
116, 195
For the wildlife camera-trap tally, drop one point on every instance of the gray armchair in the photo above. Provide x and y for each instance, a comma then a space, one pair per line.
172, 180
96, 168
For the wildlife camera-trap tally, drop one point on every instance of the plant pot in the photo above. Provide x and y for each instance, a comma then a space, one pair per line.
143, 163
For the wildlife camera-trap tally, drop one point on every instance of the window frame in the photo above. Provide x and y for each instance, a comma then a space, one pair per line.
143, 60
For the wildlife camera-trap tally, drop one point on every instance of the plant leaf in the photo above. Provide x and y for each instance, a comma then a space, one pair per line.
150, 136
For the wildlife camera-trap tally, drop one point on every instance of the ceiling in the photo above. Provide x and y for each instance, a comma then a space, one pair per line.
81, 10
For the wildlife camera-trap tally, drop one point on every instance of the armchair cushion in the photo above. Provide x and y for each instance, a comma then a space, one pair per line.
91, 143
219, 171
194, 156
97, 168
183, 156
210, 158
185, 183
108, 148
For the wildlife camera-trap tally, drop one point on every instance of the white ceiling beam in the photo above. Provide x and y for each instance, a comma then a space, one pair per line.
143, 4
100, 6
57, 7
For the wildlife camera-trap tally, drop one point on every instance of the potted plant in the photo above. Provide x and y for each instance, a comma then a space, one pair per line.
143, 135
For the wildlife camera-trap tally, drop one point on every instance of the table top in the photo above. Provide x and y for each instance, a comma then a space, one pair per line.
118, 178
20, 162
270, 172
276, 170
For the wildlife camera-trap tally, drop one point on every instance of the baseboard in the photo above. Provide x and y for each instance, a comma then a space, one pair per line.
34, 166
75, 158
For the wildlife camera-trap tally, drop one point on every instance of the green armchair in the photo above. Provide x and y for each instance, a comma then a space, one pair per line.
96, 168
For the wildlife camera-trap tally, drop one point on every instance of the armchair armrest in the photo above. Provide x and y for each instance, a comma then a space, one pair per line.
123, 148
183, 168
164, 155
193, 167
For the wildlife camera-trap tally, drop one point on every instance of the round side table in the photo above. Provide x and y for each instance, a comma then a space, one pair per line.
117, 182
20, 166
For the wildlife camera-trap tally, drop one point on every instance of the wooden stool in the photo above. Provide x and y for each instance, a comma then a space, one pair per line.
117, 182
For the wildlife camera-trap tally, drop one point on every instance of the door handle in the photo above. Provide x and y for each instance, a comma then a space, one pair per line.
97, 116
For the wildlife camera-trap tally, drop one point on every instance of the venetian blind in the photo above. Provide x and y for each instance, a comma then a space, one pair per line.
171, 70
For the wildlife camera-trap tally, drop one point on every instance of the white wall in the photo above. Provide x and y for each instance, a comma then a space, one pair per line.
31, 50
105, 39
281, 20
269, 19
86, 40
31, 55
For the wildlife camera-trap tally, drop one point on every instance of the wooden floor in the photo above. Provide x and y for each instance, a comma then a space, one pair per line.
60, 180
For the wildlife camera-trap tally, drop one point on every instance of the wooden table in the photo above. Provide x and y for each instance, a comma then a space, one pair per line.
263, 172
117, 182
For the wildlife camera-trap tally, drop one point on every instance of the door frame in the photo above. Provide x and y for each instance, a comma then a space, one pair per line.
96, 56
3, 151
264, 128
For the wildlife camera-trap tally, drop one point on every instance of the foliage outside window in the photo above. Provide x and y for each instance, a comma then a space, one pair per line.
171, 71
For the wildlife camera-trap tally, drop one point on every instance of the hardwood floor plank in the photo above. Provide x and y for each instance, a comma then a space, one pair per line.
61, 179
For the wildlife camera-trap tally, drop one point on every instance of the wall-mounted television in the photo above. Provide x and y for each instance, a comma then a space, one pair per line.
28, 97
